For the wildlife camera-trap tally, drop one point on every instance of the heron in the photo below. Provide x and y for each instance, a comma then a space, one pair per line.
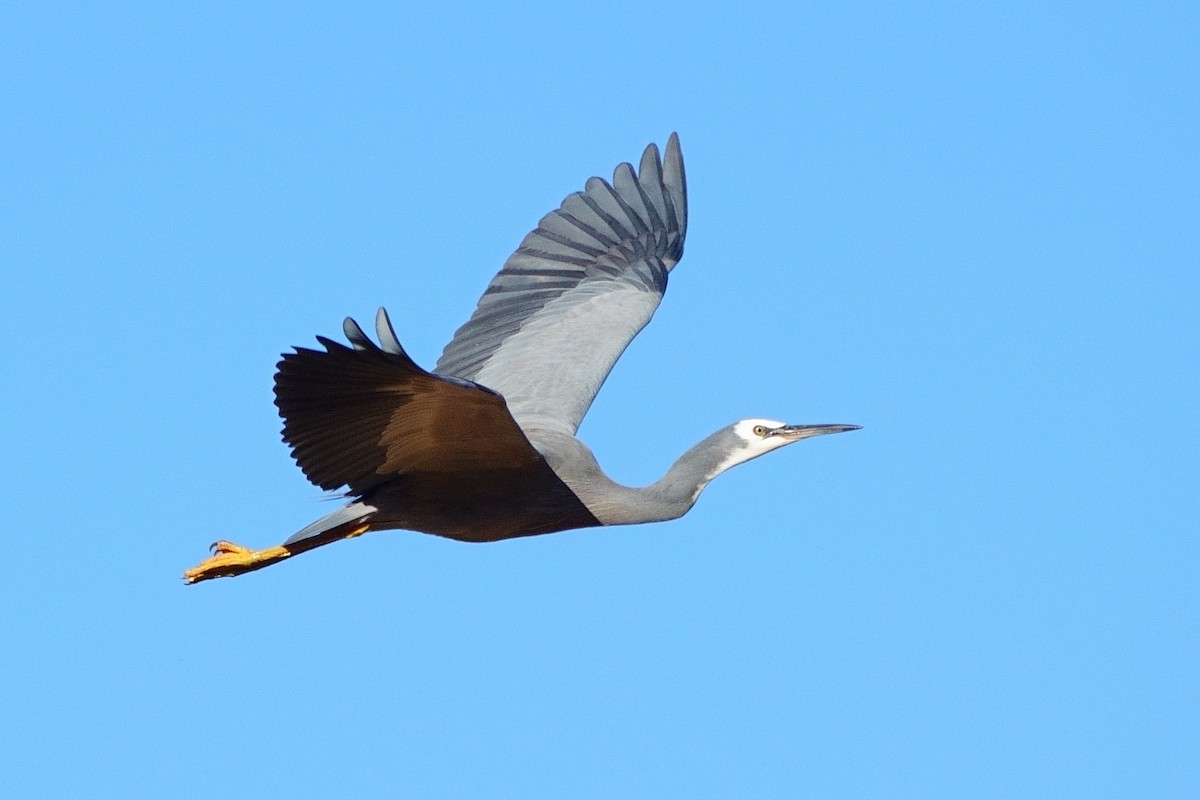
484, 448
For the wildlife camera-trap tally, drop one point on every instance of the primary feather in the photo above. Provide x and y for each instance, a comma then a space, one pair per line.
567, 303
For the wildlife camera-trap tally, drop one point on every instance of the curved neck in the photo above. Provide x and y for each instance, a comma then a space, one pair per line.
693, 471
669, 497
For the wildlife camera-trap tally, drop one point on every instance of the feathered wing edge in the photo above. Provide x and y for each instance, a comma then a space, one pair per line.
360, 416
601, 233
337, 403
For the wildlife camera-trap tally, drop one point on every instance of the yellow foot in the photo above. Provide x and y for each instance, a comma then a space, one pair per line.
229, 559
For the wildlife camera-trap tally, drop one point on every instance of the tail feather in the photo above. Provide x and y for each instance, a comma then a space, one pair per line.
331, 526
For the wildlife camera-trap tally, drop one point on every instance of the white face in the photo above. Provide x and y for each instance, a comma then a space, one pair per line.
755, 433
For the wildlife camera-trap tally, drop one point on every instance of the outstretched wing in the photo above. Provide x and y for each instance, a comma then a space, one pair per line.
571, 298
362, 416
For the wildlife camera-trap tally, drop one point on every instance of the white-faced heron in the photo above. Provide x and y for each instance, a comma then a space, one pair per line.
483, 448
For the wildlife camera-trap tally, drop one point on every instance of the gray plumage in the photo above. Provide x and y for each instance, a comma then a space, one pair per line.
569, 301
484, 447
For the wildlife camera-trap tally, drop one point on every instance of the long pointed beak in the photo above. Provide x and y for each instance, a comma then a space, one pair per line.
797, 432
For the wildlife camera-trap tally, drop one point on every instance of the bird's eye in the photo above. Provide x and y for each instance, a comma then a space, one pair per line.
759, 430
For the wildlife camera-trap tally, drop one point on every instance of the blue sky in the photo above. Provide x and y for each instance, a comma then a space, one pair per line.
970, 228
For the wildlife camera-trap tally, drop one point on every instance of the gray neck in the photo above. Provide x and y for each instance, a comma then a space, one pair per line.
668, 498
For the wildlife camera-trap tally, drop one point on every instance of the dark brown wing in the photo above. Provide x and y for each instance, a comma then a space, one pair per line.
359, 417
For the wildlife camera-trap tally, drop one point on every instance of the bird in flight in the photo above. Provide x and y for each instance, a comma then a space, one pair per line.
483, 448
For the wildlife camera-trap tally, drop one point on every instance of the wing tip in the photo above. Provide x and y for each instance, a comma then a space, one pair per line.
674, 175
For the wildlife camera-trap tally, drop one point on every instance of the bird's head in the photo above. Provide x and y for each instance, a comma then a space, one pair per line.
754, 437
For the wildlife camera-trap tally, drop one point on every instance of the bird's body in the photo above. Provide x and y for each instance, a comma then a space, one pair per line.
484, 448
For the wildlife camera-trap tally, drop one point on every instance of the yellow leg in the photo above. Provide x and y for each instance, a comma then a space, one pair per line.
229, 560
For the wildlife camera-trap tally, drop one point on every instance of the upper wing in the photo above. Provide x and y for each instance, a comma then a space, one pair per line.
567, 303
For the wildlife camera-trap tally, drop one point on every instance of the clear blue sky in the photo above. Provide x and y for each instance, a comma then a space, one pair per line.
971, 228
